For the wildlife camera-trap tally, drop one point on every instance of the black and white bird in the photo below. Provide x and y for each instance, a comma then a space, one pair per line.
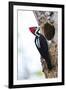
42, 45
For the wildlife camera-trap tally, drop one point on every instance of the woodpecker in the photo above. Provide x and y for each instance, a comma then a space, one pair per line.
42, 45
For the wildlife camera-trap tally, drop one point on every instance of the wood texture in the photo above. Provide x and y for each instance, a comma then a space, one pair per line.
53, 47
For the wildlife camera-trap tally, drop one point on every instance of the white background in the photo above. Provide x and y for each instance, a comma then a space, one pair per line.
4, 44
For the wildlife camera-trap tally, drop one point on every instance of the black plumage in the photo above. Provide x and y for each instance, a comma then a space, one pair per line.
43, 49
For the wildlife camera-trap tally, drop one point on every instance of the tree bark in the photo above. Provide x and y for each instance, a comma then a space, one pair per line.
53, 49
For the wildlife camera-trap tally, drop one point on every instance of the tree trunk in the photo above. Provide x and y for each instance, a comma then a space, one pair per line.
53, 49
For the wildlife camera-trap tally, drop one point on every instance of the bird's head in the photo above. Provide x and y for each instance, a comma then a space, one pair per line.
32, 30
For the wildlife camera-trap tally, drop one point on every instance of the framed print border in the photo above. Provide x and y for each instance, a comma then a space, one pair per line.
11, 25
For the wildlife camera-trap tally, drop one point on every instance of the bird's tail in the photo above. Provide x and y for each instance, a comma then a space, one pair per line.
48, 61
